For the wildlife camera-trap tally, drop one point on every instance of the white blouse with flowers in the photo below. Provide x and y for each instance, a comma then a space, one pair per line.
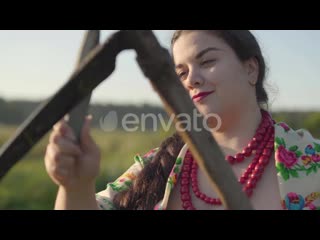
297, 161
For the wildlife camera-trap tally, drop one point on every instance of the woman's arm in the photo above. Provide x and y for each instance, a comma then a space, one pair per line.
82, 199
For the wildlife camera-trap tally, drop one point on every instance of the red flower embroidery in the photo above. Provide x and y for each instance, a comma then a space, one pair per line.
288, 158
316, 158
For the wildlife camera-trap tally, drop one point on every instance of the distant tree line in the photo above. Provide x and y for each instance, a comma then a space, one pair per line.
15, 112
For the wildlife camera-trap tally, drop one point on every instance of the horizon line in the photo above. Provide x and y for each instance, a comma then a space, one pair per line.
152, 104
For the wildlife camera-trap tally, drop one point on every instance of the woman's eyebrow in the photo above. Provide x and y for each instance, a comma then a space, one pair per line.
206, 50
200, 54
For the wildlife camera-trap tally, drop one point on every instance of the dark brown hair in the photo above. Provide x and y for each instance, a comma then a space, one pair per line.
148, 189
245, 45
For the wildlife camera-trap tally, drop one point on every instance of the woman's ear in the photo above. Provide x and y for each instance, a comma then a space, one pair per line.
252, 68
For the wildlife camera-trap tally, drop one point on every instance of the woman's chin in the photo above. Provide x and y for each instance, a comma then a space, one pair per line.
214, 122
207, 110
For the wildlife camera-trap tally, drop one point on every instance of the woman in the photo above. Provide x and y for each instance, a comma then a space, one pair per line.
224, 72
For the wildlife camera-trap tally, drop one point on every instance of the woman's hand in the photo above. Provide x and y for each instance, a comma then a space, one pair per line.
68, 164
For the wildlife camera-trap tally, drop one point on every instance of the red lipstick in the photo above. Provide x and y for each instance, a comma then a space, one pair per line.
200, 96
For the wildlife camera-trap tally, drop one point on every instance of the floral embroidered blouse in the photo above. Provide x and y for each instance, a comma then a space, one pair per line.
297, 160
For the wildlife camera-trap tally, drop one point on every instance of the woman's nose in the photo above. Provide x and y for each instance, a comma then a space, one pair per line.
195, 79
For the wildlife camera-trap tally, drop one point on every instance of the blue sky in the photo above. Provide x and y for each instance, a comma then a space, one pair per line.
35, 64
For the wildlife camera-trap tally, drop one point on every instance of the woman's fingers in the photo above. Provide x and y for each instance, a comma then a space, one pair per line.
62, 128
58, 164
87, 142
68, 162
64, 145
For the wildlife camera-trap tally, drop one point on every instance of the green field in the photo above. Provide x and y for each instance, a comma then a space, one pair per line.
28, 187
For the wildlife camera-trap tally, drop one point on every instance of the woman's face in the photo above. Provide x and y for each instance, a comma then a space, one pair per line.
216, 79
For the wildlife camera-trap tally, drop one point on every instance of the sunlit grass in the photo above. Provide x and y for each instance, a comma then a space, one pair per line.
27, 185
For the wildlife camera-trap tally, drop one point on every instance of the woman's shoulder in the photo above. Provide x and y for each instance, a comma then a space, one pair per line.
284, 132
142, 159
296, 151
296, 146
124, 181
297, 155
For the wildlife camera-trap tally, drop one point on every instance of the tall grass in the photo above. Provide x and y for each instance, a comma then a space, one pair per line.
28, 187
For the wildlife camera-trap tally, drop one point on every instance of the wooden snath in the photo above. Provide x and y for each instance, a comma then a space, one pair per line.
157, 65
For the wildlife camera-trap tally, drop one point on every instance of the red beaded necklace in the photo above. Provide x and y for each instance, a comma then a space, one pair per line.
262, 145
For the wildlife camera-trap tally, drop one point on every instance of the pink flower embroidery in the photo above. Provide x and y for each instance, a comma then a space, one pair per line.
284, 126
316, 158
158, 206
294, 201
288, 158
312, 206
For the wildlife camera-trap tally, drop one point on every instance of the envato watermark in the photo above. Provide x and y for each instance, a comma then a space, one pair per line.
131, 122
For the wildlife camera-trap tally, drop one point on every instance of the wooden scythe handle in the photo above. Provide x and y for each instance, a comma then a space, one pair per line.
157, 66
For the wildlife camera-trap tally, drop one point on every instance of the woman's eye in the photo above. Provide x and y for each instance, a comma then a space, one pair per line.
208, 62
181, 75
